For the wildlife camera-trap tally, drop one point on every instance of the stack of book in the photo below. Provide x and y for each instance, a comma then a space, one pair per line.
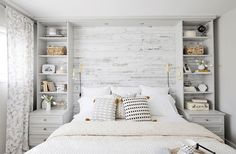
197, 105
48, 86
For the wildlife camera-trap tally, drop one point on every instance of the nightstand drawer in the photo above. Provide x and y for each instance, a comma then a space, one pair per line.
46, 120
42, 129
208, 119
37, 139
217, 129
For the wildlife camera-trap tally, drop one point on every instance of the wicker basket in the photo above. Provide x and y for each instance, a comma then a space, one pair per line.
52, 50
194, 50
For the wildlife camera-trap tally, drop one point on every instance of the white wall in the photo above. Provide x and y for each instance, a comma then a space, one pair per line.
3, 99
125, 55
226, 79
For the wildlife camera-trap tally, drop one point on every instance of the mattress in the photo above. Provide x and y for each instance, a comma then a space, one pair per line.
117, 137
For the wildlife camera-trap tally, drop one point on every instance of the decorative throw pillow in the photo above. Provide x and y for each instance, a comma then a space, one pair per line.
120, 111
104, 109
137, 109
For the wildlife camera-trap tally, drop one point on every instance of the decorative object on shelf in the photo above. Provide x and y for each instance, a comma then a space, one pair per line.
187, 83
48, 86
54, 32
194, 50
190, 33
197, 100
202, 66
61, 69
61, 87
56, 50
190, 89
51, 31
51, 86
202, 87
197, 106
59, 104
202, 29
48, 69
47, 101
168, 68
187, 69
44, 86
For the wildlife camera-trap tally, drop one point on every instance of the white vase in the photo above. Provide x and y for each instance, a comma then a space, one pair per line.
48, 106
201, 67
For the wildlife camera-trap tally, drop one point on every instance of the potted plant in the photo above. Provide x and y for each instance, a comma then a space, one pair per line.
48, 100
202, 65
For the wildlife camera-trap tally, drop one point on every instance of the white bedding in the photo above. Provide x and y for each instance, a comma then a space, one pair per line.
127, 137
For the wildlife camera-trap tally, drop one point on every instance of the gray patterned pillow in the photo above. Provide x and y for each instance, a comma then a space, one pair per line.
137, 109
104, 109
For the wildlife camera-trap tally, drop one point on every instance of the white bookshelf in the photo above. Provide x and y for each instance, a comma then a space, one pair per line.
59, 114
58, 60
196, 78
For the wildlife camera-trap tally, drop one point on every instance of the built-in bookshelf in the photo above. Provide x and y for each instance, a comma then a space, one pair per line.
62, 75
194, 76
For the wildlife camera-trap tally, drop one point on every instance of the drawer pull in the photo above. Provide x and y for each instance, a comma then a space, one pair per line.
44, 139
44, 119
44, 128
207, 119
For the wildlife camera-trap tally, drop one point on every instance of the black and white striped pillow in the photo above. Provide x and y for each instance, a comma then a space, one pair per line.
137, 109
104, 109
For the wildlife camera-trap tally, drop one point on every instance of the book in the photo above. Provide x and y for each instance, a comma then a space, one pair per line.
199, 100
51, 86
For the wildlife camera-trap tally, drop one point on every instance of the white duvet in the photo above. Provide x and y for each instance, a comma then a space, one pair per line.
127, 137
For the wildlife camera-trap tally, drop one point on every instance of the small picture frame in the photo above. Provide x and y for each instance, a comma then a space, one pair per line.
187, 69
61, 87
48, 69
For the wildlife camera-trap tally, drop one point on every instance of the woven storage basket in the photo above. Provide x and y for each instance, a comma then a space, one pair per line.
51, 50
194, 50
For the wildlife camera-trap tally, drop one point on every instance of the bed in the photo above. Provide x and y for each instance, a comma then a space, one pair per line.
128, 137
164, 133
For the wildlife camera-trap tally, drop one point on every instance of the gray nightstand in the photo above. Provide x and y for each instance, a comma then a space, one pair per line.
212, 120
42, 123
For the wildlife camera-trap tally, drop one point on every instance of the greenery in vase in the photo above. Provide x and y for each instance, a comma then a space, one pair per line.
48, 99
202, 62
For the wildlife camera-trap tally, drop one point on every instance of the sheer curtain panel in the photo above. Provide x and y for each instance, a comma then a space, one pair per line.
20, 38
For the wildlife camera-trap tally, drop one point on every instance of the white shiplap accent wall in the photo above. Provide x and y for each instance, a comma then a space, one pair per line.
125, 56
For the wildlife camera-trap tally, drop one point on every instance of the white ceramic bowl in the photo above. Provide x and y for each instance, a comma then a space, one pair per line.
51, 31
190, 33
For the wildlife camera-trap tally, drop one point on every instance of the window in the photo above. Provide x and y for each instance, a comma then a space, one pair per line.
3, 54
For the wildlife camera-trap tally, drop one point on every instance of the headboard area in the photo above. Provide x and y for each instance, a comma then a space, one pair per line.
125, 56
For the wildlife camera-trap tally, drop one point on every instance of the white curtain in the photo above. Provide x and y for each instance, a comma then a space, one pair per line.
20, 37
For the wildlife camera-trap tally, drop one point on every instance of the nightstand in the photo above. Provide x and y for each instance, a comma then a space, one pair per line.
42, 123
212, 120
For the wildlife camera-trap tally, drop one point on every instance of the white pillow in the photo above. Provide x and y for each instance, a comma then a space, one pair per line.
98, 91
162, 105
149, 91
86, 109
125, 91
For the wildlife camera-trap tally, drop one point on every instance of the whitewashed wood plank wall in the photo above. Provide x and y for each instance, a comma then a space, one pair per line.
125, 56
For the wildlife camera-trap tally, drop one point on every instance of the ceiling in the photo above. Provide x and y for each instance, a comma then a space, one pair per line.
122, 8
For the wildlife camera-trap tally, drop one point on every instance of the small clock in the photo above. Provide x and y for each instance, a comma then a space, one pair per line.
202, 29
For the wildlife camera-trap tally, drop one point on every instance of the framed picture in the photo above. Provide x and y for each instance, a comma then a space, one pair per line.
187, 69
48, 69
